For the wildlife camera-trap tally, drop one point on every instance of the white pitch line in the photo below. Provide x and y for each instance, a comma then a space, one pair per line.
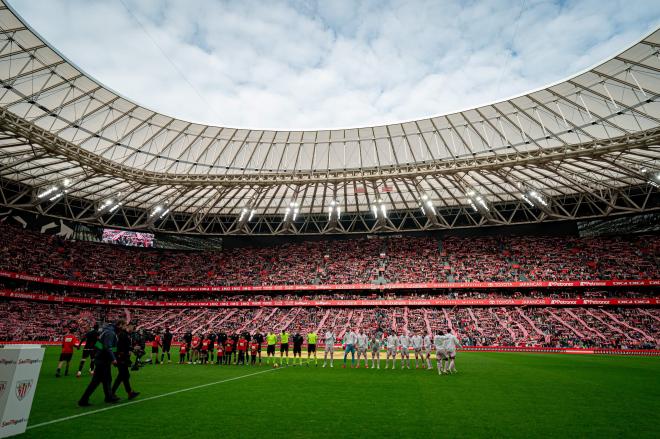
136, 401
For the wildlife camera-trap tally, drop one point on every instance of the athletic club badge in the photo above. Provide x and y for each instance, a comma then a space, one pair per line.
3, 386
23, 388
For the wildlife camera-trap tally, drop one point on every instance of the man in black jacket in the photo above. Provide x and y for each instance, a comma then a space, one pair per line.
259, 338
167, 345
104, 358
297, 347
88, 351
187, 338
124, 349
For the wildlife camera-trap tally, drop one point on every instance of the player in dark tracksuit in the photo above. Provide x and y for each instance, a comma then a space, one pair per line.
167, 345
212, 338
88, 351
187, 338
124, 349
234, 353
259, 338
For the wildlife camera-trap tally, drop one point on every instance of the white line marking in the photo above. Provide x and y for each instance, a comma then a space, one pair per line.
146, 399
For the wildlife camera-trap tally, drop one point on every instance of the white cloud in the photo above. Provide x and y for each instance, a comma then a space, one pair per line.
306, 64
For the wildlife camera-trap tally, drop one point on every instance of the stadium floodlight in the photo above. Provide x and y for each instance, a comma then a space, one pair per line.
109, 205
478, 202
54, 192
290, 214
56, 196
292, 211
428, 209
654, 180
247, 213
47, 192
426, 205
379, 209
535, 198
334, 211
380, 212
106, 204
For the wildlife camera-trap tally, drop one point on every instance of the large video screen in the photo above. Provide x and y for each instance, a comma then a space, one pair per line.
131, 239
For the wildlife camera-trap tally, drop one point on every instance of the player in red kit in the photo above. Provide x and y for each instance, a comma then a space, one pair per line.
221, 352
205, 350
242, 346
155, 344
229, 348
254, 349
195, 346
68, 343
182, 353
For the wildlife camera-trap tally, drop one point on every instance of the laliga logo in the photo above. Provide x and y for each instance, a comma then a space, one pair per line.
23, 388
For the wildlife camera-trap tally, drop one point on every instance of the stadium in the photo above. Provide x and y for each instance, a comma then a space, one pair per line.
495, 269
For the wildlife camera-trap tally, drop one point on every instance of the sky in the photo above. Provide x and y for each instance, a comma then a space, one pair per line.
334, 63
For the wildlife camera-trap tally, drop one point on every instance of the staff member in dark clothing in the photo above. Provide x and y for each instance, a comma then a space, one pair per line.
187, 338
212, 337
259, 338
88, 351
138, 343
103, 359
167, 344
235, 338
124, 348
297, 347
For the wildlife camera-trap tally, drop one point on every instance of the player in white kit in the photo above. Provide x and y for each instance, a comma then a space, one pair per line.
440, 352
428, 347
374, 346
404, 341
362, 346
392, 344
416, 341
451, 343
329, 348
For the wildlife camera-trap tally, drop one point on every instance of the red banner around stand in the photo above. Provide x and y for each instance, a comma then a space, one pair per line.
335, 287
328, 303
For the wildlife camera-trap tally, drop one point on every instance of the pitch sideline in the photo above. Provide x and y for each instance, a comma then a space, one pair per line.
66, 418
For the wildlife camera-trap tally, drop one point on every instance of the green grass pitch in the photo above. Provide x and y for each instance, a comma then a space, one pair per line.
493, 395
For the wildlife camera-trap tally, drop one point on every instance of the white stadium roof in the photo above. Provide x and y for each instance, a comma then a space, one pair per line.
584, 147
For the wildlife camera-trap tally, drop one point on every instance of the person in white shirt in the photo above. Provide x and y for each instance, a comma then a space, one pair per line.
428, 347
362, 345
440, 352
404, 341
451, 343
374, 345
329, 348
392, 344
350, 340
416, 341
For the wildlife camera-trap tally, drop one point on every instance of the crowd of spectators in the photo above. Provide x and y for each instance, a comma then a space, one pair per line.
395, 259
605, 327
